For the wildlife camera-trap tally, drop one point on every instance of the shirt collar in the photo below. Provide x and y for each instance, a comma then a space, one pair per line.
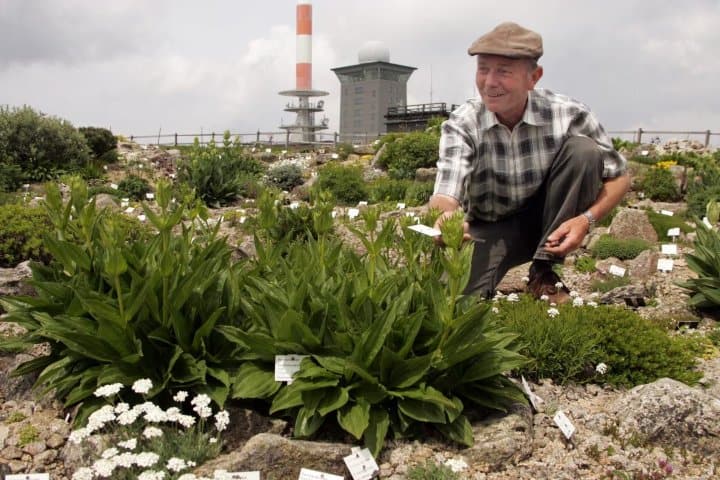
532, 116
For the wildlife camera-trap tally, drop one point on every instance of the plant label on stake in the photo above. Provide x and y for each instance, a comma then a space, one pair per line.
28, 476
617, 271
535, 400
665, 264
674, 232
564, 423
352, 213
244, 475
362, 203
400, 206
286, 366
425, 230
669, 249
307, 474
361, 464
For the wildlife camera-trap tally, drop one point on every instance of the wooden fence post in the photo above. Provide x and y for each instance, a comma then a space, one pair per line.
257, 137
176, 139
639, 135
287, 139
707, 138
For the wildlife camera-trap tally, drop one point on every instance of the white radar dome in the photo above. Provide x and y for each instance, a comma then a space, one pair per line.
374, 51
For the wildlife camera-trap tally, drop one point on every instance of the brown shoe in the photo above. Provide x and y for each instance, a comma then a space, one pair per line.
545, 282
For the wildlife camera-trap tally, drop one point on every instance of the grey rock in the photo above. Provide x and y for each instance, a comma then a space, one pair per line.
644, 265
502, 439
45, 458
378, 154
55, 441
669, 413
631, 295
591, 239
245, 424
632, 223
13, 281
16, 466
18, 388
73, 456
425, 174
104, 200
4, 433
11, 453
279, 457
34, 448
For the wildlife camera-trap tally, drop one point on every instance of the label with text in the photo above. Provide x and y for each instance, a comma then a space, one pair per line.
617, 271
425, 230
400, 206
28, 476
243, 475
665, 264
669, 249
361, 464
353, 212
674, 232
307, 474
286, 366
667, 212
566, 426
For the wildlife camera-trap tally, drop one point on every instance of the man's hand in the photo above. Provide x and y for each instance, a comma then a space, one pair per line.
438, 223
568, 236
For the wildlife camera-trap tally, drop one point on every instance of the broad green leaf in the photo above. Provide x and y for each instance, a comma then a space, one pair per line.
377, 429
252, 381
332, 400
459, 431
422, 411
307, 422
285, 399
355, 418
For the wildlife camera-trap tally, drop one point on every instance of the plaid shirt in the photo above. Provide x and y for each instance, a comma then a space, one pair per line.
492, 171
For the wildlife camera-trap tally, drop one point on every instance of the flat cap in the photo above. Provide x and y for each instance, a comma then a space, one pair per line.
509, 40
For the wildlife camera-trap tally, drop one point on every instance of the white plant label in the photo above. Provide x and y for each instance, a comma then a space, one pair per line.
286, 366
335, 156
142, 218
566, 426
669, 249
129, 210
294, 205
114, 186
362, 203
353, 212
124, 204
665, 264
242, 219
28, 476
674, 232
707, 222
641, 195
268, 150
244, 475
401, 206
535, 400
307, 474
617, 271
361, 464
667, 212
645, 153
125, 199
410, 214
150, 196
425, 230
333, 214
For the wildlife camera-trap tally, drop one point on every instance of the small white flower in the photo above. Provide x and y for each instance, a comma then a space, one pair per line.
573, 293
553, 304
456, 464
577, 302
180, 396
187, 476
213, 440
77, 436
142, 386
128, 418
109, 453
186, 421
99, 418
125, 460
559, 285
176, 464
128, 444
152, 432
151, 475
108, 390
601, 368
201, 400
499, 295
544, 298
83, 473
495, 310
524, 280
122, 407
222, 420
553, 312
146, 459
155, 414
103, 467
203, 412
592, 304
513, 297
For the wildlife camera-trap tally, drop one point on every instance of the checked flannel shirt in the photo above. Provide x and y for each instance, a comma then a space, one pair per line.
493, 172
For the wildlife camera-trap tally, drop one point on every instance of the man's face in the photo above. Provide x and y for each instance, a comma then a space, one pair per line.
504, 83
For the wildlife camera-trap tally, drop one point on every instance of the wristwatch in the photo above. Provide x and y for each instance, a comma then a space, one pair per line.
591, 219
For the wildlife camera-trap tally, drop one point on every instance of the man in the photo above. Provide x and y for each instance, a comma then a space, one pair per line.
531, 169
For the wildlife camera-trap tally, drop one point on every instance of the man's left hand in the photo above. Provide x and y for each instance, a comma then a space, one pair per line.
568, 236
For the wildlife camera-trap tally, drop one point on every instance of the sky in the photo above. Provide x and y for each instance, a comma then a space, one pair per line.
163, 66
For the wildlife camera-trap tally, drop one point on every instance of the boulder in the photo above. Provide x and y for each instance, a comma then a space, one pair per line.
632, 223
671, 414
279, 457
16, 388
104, 200
13, 281
644, 265
630, 295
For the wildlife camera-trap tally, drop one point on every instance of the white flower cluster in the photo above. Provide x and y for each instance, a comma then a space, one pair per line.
513, 297
553, 312
601, 368
114, 458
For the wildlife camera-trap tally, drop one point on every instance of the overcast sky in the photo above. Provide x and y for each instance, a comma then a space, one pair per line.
181, 66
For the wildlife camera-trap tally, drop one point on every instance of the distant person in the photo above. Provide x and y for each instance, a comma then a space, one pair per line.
532, 170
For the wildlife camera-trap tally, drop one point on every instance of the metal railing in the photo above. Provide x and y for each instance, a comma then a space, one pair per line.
637, 135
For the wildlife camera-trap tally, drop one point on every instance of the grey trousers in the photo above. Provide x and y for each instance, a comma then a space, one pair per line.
571, 186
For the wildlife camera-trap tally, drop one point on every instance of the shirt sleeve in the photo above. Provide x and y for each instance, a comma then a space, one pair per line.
585, 123
454, 162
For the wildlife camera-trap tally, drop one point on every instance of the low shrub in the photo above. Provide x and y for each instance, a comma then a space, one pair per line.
134, 187
659, 185
585, 264
604, 285
285, 177
419, 193
388, 190
11, 177
403, 156
100, 140
607, 219
662, 223
431, 471
344, 150
698, 197
345, 183
623, 249
21, 234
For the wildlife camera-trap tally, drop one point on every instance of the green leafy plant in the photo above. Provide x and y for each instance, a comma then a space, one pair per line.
345, 183
662, 223
27, 435
40, 144
11, 177
419, 193
431, 471
21, 234
403, 156
659, 185
585, 264
705, 262
604, 285
218, 173
391, 345
285, 177
623, 249
134, 187
100, 140
388, 190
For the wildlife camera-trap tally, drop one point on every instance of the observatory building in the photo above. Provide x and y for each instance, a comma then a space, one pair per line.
368, 89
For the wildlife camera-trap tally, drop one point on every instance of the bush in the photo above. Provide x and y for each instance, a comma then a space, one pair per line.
21, 234
345, 183
607, 246
419, 193
344, 150
134, 187
11, 177
285, 177
585, 264
40, 145
218, 174
570, 345
659, 185
698, 197
705, 262
604, 285
662, 223
431, 471
388, 190
100, 140
403, 156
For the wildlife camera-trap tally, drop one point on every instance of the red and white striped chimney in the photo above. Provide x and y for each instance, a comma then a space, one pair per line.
303, 44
